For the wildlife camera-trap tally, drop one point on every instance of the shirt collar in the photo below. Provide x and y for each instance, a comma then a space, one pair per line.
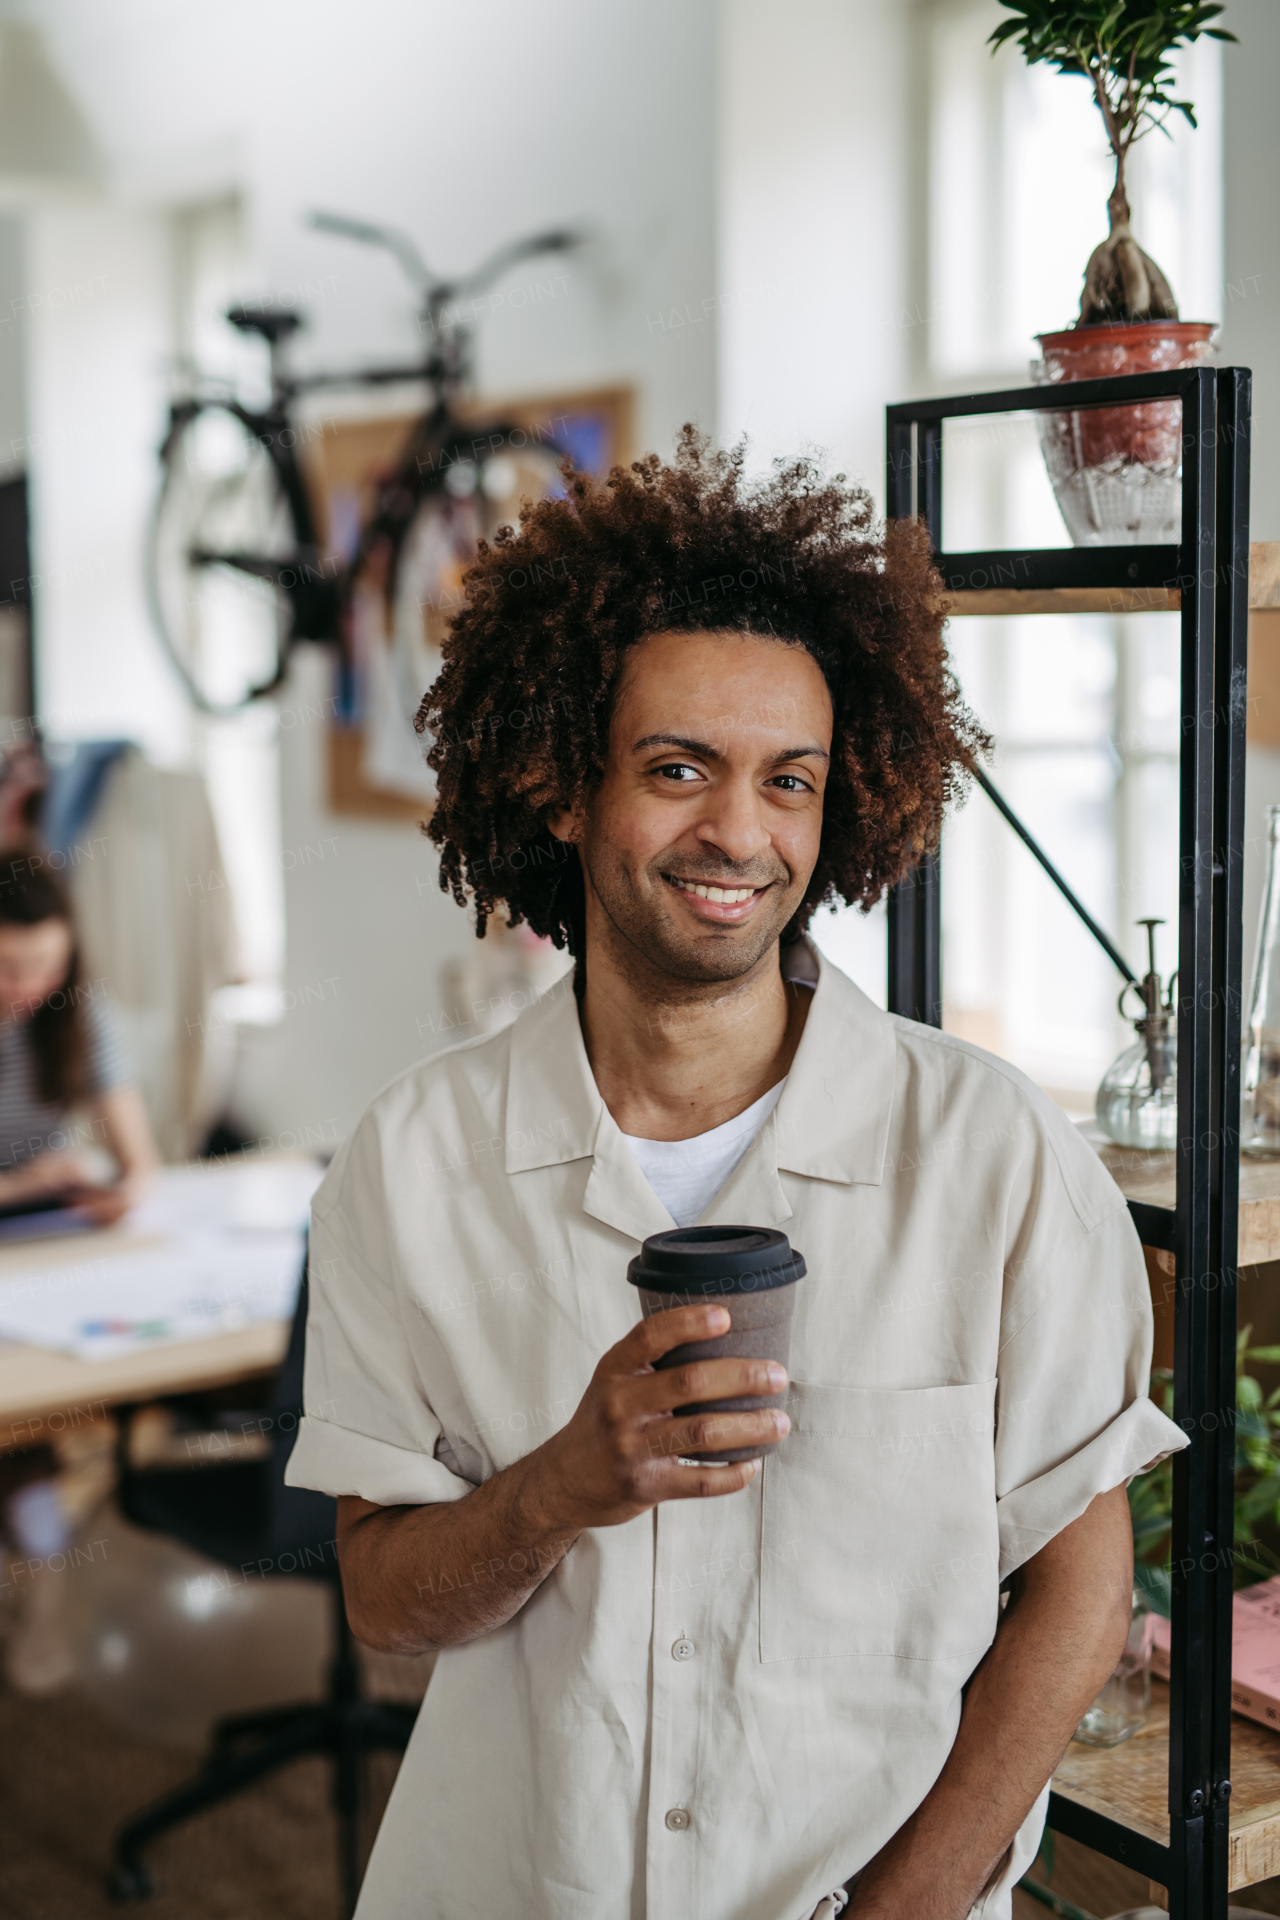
832, 1122
553, 1103
833, 1118
555, 1114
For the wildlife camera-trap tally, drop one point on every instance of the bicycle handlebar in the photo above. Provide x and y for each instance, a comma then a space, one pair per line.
397, 243
557, 240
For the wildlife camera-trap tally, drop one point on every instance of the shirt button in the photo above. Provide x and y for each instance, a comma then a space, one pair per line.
678, 1819
683, 1650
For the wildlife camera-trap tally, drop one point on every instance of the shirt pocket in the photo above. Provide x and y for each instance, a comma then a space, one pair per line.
879, 1533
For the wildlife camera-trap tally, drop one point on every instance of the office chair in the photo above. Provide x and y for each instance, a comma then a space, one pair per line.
242, 1513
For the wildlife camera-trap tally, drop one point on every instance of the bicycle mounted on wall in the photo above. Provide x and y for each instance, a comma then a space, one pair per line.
237, 571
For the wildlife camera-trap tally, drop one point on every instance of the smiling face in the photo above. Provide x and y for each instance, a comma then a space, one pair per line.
700, 841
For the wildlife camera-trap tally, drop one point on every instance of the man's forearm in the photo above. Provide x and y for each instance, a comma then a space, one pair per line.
417, 1579
420, 1578
1058, 1640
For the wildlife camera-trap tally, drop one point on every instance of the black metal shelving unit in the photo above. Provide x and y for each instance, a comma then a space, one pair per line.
1210, 569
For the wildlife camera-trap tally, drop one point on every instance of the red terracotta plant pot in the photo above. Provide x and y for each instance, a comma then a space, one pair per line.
1114, 469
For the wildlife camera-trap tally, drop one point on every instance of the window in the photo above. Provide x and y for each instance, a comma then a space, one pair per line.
1084, 710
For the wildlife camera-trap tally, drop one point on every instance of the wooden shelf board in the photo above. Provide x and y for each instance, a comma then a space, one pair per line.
1264, 573
1151, 1177
1130, 1784
1264, 591
1013, 600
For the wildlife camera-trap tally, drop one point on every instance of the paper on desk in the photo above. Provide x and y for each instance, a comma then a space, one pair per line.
231, 1245
99, 1309
228, 1197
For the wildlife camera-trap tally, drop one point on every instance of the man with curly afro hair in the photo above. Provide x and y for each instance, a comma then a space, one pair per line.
725, 1632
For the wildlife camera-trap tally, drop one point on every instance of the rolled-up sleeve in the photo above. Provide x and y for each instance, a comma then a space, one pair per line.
1074, 1417
367, 1426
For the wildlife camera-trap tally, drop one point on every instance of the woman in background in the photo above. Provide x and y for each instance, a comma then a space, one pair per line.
61, 1053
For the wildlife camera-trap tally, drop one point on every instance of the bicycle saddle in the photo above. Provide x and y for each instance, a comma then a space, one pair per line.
273, 323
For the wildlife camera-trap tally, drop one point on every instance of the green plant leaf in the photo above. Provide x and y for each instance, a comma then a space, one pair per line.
1156, 1587
1253, 1505
1257, 1486
1121, 50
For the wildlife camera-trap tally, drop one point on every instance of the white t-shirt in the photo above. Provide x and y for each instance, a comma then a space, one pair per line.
687, 1175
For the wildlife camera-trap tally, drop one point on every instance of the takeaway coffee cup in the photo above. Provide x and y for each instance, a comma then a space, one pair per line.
750, 1270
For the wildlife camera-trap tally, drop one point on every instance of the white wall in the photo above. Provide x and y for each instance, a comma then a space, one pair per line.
465, 129
97, 337
462, 129
1251, 315
814, 177
814, 195
1251, 336
13, 393
368, 931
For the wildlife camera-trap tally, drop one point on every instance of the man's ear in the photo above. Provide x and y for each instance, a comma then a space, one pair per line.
567, 825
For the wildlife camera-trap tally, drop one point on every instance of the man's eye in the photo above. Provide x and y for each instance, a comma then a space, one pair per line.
791, 783
678, 770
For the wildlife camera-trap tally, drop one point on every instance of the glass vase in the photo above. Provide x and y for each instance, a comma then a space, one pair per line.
1137, 1102
1117, 471
1260, 1083
1124, 1705
1135, 1110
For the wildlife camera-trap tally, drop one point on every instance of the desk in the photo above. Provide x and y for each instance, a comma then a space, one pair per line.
44, 1394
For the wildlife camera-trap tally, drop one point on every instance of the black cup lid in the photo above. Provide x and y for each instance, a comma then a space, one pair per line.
716, 1260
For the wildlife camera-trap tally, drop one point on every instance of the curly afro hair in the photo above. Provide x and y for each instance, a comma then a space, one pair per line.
521, 709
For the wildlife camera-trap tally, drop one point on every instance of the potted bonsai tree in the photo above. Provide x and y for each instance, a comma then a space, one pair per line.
1115, 470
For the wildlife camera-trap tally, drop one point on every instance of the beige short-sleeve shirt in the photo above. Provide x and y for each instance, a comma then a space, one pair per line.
723, 1708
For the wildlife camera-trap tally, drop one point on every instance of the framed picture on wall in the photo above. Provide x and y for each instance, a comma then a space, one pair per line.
375, 760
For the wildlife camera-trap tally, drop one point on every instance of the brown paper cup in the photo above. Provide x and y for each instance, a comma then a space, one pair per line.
760, 1329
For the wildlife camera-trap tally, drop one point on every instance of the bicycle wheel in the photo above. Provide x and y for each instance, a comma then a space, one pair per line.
222, 553
438, 545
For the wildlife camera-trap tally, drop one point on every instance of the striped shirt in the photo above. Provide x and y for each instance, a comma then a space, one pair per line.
30, 1125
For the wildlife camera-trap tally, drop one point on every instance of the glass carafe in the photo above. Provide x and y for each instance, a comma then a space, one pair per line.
1137, 1102
1123, 1706
1260, 1086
